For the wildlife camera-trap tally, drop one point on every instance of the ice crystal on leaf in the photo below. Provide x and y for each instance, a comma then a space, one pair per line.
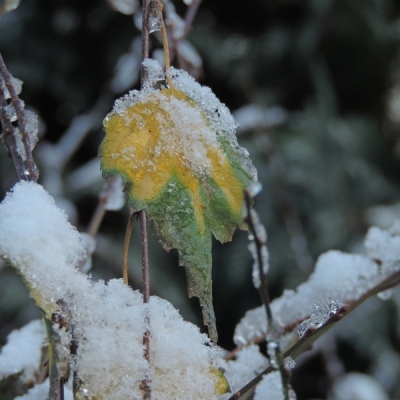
177, 151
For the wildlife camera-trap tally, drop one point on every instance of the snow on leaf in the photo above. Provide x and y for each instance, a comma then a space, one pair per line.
177, 152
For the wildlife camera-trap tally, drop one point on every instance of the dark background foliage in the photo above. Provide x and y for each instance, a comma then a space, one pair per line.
325, 75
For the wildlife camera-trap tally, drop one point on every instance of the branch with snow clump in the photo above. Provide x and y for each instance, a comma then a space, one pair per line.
340, 281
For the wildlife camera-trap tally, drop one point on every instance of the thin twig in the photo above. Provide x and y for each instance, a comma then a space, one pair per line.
259, 244
146, 297
145, 38
165, 43
145, 257
190, 15
101, 207
127, 240
97, 217
145, 385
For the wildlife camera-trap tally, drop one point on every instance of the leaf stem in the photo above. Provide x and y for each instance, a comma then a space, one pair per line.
165, 45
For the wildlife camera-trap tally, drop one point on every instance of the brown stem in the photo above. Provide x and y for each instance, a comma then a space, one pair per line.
127, 240
145, 38
16, 102
145, 385
165, 45
145, 257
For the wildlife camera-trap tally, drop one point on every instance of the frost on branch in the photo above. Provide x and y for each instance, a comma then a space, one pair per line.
322, 312
30, 119
338, 279
108, 318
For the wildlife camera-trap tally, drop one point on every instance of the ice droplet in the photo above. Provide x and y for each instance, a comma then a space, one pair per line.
289, 363
273, 350
386, 294
188, 2
254, 188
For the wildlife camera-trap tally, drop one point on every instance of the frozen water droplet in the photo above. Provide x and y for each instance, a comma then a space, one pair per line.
386, 294
188, 2
254, 188
154, 24
272, 350
26, 173
322, 312
289, 363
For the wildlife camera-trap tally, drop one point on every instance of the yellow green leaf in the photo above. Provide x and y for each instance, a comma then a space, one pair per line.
176, 149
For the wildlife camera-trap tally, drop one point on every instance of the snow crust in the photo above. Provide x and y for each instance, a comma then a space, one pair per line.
22, 351
248, 364
106, 319
41, 392
271, 388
